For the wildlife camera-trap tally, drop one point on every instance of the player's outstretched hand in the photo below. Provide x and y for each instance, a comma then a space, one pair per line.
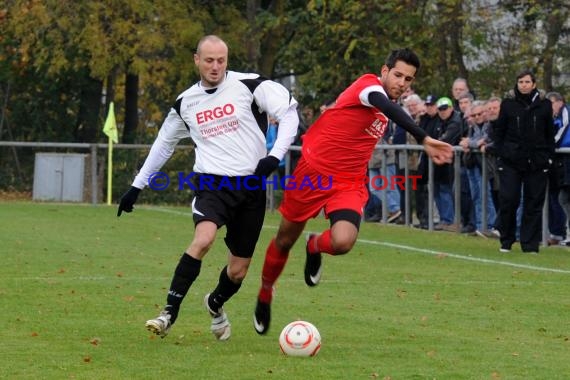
128, 200
440, 152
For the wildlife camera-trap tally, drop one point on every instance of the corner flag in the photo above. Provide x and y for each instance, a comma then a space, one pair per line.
110, 129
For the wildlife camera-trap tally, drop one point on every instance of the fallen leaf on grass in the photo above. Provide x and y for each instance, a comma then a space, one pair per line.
401, 293
95, 341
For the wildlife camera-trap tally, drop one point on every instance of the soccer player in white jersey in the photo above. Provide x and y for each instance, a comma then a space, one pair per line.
226, 115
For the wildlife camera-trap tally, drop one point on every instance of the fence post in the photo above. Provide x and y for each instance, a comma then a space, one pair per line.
457, 189
94, 184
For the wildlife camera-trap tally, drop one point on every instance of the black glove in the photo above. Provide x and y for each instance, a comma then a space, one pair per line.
128, 200
266, 166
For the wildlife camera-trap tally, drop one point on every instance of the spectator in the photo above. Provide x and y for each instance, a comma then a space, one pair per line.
326, 105
449, 131
465, 101
409, 91
458, 88
524, 142
373, 210
270, 139
493, 107
416, 107
379, 188
427, 122
561, 114
477, 137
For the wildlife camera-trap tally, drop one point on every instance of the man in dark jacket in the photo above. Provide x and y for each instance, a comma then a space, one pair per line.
524, 143
448, 129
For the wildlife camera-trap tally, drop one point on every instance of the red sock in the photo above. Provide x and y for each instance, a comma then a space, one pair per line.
272, 267
321, 243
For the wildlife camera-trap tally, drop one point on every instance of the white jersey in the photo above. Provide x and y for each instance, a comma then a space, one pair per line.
227, 124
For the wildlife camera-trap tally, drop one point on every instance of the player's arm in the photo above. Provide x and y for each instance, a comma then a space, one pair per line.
172, 131
396, 114
286, 133
440, 152
277, 101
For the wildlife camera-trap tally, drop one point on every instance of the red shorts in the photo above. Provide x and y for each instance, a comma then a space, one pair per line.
308, 192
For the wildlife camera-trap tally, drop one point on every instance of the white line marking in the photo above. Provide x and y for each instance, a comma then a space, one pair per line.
415, 249
462, 257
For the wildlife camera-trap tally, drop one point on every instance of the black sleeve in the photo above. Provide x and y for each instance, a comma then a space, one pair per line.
396, 114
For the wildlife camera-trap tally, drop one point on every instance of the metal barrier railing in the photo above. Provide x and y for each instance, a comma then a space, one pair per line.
404, 149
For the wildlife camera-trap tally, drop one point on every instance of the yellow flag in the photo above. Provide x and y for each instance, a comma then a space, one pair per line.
110, 128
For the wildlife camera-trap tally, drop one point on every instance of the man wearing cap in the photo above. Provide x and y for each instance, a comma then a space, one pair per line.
427, 122
448, 130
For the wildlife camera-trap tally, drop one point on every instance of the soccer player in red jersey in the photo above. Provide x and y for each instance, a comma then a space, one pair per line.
338, 146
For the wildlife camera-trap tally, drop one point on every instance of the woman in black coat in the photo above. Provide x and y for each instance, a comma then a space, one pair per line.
523, 138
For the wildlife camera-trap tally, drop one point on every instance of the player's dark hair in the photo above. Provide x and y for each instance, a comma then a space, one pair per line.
406, 55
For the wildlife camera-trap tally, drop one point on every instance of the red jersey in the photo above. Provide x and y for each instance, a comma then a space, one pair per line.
342, 139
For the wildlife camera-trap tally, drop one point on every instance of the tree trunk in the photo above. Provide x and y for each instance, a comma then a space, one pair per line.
252, 42
88, 122
131, 109
553, 30
272, 41
456, 37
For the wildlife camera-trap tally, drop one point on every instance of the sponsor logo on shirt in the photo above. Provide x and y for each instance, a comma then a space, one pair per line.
217, 121
378, 128
215, 113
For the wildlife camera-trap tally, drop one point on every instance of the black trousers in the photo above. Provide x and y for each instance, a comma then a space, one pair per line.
533, 186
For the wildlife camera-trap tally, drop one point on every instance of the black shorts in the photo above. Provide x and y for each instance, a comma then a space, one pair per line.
226, 202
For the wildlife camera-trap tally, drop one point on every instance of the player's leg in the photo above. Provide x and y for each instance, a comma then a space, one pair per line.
185, 274
210, 212
230, 280
344, 209
276, 257
337, 240
243, 228
296, 208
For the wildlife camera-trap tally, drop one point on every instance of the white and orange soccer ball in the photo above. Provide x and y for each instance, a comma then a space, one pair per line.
300, 338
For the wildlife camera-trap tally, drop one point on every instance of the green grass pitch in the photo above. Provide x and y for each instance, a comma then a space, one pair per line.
77, 285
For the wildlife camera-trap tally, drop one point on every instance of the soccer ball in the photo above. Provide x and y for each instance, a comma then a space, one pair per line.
300, 338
